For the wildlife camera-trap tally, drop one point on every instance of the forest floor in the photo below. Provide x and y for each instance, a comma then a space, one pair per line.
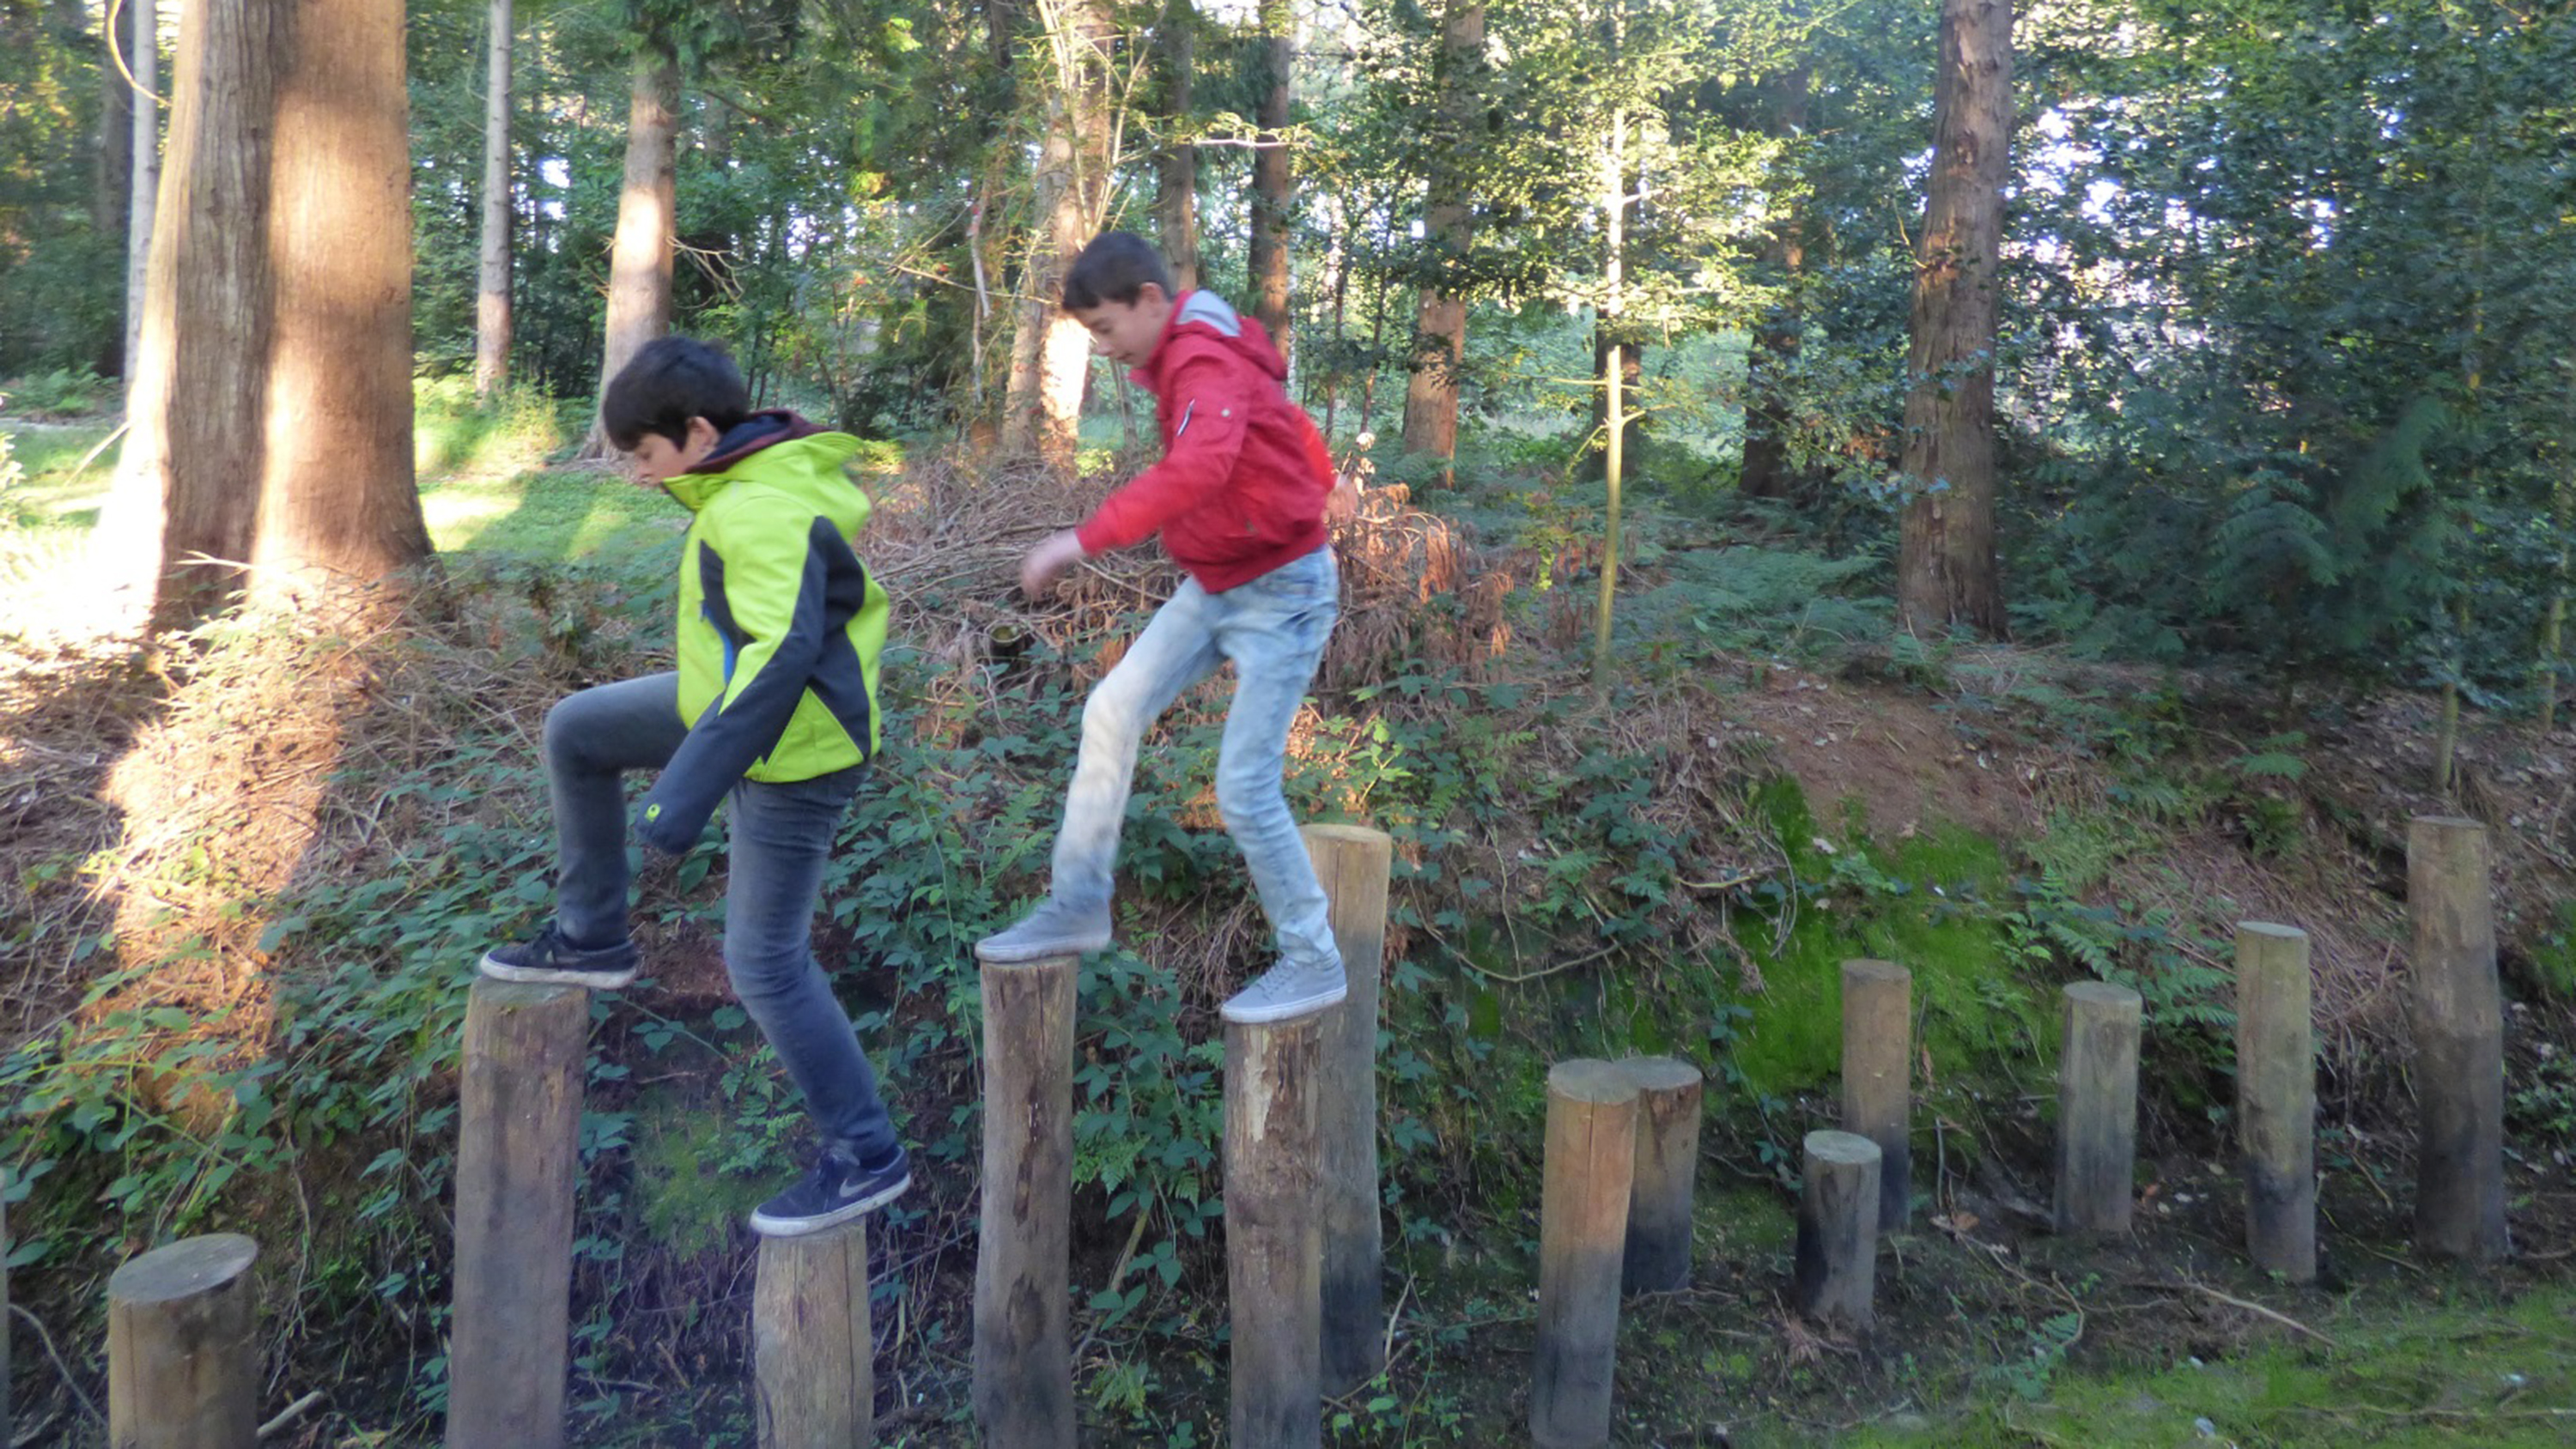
1991, 1330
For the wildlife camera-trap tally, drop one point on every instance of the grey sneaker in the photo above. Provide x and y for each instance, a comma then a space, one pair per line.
1052, 929
1287, 990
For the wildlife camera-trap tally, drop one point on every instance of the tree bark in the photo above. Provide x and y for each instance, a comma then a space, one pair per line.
143, 170
492, 295
1777, 337
1440, 331
112, 199
1176, 193
1272, 186
639, 267
1613, 357
337, 494
1050, 353
1946, 572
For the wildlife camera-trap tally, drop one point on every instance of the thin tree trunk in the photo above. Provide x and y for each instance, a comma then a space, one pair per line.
1051, 352
1440, 332
1631, 366
492, 296
1777, 338
185, 507
1176, 195
113, 198
2553, 629
1614, 226
143, 47
639, 268
337, 496
1272, 186
1946, 572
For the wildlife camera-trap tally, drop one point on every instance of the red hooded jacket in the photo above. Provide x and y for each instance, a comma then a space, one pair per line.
1244, 475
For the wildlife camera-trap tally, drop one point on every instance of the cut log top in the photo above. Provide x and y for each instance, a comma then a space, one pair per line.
1031, 964
1657, 1074
1587, 1080
2447, 822
521, 995
1353, 834
183, 1269
1880, 971
2104, 994
1845, 1148
2269, 931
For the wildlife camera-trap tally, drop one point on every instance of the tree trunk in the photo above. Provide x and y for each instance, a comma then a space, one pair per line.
1272, 188
2552, 673
1613, 357
492, 296
1632, 370
337, 495
143, 57
1946, 572
113, 198
1176, 194
1440, 333
1777, 337
1051, 353
639, 267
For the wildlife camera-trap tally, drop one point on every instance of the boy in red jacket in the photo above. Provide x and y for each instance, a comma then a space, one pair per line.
1239, 500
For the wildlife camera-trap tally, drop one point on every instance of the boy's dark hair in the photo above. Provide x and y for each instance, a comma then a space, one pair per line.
1114, 268
668, 381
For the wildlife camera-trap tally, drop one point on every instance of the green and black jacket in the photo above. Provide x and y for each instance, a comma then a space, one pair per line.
780, 625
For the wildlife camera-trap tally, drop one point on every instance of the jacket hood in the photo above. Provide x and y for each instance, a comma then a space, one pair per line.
1204, 314
818, 450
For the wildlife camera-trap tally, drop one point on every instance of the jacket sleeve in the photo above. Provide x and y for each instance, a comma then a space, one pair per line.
1213, 406
773, 589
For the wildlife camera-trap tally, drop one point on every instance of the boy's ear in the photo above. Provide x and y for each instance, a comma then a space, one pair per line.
702, 434
1151, 293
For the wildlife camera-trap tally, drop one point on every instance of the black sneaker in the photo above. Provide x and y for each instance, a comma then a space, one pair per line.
837, 1190
550, 960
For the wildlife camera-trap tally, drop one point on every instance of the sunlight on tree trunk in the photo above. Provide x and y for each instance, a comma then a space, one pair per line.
1614, 217
1176, 196
492, 295
639, 266
337, 497
1051, 352
143, 45
112, 200
1440, 333
1946, 573
1273, 195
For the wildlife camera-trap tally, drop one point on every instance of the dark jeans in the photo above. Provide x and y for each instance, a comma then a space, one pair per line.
778, 837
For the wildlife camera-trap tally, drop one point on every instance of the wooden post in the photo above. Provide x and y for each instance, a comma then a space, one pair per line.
2276, 1099
1273, 1234
1023, 1354
1878, 1077
1589, 1171
1657, 1258
182, 1351
517, 1151
1353, 862
1836, 1277
2097, 1108
813, 1359
8, 1433
2459, 1042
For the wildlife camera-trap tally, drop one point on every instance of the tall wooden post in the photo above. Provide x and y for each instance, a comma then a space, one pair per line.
1273, 1234
182, 1350
518, 1149
813, 1359
1657, 1258
2097, 1108
1353, 862
1023, 1354
2459, 1042
2276, 1099
1583, 1227
1878, 1077
1836, 1275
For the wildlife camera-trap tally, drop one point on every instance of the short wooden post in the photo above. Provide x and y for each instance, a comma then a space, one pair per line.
182, 1350
1273, 1234
518, 1149
2097, 1108
7, 1430
1878, 1077
1657, 1258
1590, 1170
1023, 1354
1353, 862
813, 1359
2276, 1099
1836, 1274
2459, 1042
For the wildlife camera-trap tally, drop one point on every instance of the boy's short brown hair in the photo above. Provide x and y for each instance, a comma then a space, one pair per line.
1114, 268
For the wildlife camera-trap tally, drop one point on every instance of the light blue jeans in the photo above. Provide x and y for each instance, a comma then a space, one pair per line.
778, 837
1273, 628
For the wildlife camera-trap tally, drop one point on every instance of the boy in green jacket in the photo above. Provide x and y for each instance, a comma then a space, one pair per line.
773, 707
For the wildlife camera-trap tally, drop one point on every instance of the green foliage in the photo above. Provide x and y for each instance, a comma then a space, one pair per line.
64, 392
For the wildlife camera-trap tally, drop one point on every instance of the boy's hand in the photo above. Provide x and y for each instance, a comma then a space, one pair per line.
1053, 555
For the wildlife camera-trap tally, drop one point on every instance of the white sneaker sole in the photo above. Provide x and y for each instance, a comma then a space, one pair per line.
1262, 1013
538, 976
769, 1227
993, 951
